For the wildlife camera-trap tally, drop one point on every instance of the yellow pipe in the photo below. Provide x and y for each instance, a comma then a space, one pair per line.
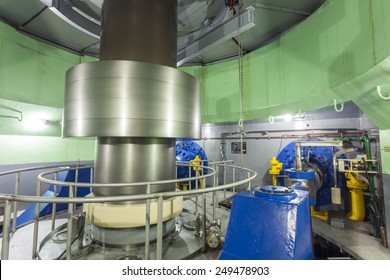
356, 187
358, 211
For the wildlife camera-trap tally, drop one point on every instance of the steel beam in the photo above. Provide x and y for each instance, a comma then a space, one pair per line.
238, 24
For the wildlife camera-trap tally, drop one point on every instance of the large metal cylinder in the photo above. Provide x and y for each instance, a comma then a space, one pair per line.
130, 99
140, 31
135, 102
123, 159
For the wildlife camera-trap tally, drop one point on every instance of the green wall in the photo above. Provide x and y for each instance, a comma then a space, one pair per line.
33, 149
32, 76
341, 52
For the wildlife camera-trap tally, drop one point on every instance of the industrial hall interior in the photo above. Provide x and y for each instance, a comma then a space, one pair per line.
194, 130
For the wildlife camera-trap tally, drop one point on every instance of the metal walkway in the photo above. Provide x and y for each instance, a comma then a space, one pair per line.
354, 239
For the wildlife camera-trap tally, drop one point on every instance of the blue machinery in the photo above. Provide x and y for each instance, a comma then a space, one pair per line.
316, 165
269, 222
186, 151
273, 222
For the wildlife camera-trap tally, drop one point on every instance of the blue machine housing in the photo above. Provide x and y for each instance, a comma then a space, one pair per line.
187, 150
269, 223
320, 157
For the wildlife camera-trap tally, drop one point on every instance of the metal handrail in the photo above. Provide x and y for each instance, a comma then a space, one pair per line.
21, 170
122, 198
147, 196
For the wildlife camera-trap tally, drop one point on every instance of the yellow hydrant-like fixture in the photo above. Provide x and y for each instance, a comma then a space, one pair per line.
276, 168
196, 163
356, 187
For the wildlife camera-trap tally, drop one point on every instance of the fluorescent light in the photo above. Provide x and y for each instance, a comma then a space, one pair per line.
287, 117
35, 124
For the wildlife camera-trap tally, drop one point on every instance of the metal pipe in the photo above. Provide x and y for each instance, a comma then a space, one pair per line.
69, 226
159, 228
36, 222
15, 214
311, 135
6, 231
156, 18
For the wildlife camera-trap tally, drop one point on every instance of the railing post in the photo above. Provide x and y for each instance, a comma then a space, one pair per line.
214, 197
76, 180
54, 208
204, 205
147, 225
234, 178
224, 178
36, 222
250, 182
6, 230
196, 195
217, 166
15, 214
91, 175
69, 226
189, 175
159, 228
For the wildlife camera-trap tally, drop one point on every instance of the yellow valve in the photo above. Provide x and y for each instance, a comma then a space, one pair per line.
196, 163
276, 168
356, 187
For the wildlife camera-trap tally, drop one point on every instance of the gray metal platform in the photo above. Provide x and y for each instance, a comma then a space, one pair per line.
355, 239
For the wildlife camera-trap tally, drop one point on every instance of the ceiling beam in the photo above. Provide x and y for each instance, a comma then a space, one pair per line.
231, 28
281, 9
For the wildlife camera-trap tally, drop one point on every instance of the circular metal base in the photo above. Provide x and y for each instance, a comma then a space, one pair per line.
180, 243
128, 237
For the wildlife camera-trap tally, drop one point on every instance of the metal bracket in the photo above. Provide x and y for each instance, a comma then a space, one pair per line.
335, 106
379, 91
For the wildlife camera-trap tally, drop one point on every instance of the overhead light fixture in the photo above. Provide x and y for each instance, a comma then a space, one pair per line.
288, 117
35, 124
